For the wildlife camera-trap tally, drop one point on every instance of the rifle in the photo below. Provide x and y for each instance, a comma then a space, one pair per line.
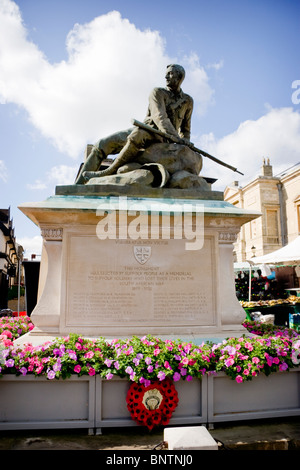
144, 126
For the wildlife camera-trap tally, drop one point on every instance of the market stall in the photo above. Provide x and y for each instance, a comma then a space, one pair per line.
256, 282
286, 310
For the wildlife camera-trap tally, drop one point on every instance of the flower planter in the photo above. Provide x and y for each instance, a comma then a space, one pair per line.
37, 403
264, 396
85, 402
91, 402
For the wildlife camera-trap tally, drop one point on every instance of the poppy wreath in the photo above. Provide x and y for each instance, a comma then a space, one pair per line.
153, 405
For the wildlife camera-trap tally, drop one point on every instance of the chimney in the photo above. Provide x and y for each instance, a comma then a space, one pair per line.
267, 169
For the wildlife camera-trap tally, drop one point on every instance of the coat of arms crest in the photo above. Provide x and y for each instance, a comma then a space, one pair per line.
142, 253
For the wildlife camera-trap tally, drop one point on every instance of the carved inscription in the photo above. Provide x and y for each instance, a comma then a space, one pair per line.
112, 287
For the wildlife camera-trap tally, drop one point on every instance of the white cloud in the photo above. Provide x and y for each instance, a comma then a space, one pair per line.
197, 84
110, 70
61, 174
31, 245
275, 135
216, 65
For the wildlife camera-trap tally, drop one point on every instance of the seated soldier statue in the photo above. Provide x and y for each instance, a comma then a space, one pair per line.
169, 111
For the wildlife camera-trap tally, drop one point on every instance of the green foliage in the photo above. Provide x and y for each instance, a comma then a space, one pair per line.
144, 360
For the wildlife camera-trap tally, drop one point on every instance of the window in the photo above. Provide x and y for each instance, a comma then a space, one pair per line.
272, 226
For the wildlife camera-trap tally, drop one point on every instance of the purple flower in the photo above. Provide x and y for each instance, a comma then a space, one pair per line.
176, 377
108, 362
10, 363
136, 361
146, 383
5, 353
150, 369
161, 375
189, 378
231, 350
109, 376
148, 360
57, 366
51, 374
116, 365
129, 370
23, 370
269, 360
72, 355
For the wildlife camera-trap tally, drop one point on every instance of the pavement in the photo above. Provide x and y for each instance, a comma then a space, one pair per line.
272, 434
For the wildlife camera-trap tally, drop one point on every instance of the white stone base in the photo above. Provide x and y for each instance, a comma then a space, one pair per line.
189, 438
118, 267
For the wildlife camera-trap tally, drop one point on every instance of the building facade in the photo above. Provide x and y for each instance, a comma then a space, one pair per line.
8, 256
277, 198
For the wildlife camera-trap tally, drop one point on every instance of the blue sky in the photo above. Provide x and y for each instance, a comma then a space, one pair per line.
72, 71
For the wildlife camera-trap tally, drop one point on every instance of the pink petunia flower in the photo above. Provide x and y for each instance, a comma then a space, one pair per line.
89, 355
229, 362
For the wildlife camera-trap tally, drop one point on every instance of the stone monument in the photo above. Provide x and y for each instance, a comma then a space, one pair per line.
140, 244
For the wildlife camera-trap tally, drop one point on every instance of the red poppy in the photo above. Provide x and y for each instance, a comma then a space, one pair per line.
153, 405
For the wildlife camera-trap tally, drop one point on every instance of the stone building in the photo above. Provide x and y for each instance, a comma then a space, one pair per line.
8, 256
278, 200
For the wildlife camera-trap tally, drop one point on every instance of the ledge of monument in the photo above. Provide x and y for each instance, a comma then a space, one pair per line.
118, 190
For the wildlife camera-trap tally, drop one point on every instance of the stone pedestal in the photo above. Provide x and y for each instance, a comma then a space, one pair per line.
123, 266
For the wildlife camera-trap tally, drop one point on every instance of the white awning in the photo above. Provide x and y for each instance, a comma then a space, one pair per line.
289, 254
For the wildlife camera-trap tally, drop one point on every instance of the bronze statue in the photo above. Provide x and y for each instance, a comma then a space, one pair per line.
168, 121
169, 111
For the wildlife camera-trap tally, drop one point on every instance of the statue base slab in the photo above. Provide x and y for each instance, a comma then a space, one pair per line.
130, 190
